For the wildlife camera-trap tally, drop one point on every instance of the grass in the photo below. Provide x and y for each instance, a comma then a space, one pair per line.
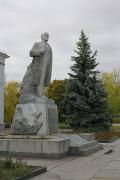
115, 127
10, 170
63, 126
116, 120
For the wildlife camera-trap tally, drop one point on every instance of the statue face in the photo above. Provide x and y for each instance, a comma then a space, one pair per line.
45, 36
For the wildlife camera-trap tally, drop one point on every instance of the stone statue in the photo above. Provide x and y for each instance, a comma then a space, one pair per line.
36, 114
38, 72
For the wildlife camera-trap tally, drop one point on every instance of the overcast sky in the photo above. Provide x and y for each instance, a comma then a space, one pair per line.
23, 21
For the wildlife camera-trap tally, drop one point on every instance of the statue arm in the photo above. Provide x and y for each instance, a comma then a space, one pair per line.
35, 51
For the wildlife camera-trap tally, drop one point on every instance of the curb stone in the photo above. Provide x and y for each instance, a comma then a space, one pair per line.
33, 173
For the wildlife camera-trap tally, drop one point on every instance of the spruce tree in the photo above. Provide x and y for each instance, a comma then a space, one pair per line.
85, 99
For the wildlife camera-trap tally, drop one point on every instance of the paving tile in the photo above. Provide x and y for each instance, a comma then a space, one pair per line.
98, 164
108, 173
113, 165
75, 165
114, 155
117, 148
101, 160
84, 174
98, 178
76, 175
101, 152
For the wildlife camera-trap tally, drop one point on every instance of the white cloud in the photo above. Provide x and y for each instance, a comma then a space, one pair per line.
22, 22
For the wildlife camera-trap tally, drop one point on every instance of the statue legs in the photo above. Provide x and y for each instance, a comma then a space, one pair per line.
28, 94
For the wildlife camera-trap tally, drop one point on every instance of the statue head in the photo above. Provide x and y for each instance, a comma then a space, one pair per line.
45, 36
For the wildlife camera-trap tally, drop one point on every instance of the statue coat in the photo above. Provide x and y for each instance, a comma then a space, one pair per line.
39, 71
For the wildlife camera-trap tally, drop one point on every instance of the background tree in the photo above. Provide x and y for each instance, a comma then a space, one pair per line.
11, 97
111, 82
85, 99
56, 92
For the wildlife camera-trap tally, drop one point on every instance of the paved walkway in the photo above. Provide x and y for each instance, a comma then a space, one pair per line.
103, 165
98, 166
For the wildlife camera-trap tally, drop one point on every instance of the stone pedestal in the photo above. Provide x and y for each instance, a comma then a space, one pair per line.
50, 148
3, 56
36, 118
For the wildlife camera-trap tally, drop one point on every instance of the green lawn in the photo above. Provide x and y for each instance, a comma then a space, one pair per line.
10, 170
115, 126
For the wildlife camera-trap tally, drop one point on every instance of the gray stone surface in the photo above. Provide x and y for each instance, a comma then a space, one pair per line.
53, 148
75, 139
98, 166
27, 119
36, 114
88, 136
80, 146
38, 72
3, 56
36, 118
89, 150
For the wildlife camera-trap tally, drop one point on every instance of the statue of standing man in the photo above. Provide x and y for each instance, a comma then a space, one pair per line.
38, 73
35, 113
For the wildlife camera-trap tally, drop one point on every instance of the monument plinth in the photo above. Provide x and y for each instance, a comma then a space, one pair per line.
3, 56
40, 118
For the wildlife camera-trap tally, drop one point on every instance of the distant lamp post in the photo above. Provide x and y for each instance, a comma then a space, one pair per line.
3, 56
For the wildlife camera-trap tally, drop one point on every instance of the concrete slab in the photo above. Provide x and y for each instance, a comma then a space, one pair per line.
108, 173
88, 136
100, 178
79, 146
53, 148
74, 138
113, 165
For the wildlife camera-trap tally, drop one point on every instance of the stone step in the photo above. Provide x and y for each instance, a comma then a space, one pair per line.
91, 150
85, 145
78, 151
80, 146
